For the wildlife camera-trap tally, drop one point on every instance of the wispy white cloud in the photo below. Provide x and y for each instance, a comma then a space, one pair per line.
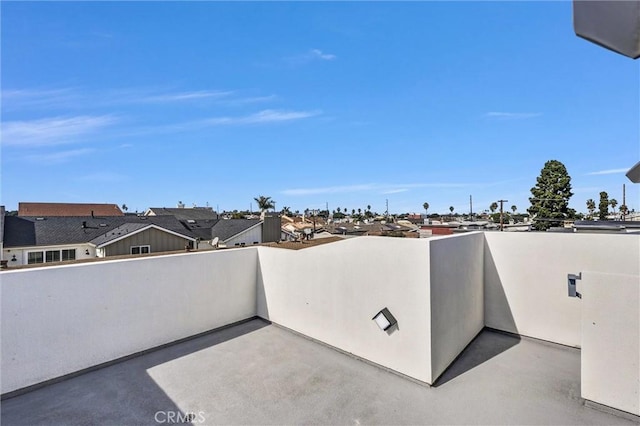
71, 97
39, 98
329, 190
609, 172
251, 100
263, 117
310, 56
512, 115
180, 96
395, 191
383, 188
317, 53
52, 131
58, 157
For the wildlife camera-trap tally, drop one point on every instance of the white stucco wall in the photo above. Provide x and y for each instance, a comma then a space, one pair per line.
610, 357
59, 319
526, 279
331, 293
457, 296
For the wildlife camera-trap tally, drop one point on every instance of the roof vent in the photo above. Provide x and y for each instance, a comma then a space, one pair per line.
191, 221
39, 218
103, 225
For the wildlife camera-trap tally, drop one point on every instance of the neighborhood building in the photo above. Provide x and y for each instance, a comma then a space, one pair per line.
40, 239
35, 240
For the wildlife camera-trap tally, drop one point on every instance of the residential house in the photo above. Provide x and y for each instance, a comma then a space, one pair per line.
34, 240
211, 230
237, 232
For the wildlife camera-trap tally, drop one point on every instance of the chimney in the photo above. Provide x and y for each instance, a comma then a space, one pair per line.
84, 224
92, 214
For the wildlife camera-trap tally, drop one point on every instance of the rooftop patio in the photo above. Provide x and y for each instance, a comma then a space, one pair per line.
443, 292
257, 373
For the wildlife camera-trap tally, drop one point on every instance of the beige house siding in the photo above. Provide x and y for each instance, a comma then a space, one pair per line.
158, 240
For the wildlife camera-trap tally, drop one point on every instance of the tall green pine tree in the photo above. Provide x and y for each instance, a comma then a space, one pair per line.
550, 196
604, 206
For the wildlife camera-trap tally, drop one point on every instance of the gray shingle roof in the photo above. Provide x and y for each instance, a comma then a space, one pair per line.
118, 232
29, 231
227, 228
183, 214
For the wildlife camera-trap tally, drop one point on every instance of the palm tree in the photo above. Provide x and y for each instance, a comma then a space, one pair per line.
493, 207
624, 209
514, 208
613, 203
368, 207
286, 211
264, 203
124, 208
353, 212
426, 208
359, 212
591, 206
338, 209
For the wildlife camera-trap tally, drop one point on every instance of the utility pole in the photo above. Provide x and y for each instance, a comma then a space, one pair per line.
470, 209
501, 220
386, 213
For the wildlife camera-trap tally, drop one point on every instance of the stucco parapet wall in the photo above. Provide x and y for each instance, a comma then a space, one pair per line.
58, 320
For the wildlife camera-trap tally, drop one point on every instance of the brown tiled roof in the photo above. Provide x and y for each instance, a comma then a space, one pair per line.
68, 209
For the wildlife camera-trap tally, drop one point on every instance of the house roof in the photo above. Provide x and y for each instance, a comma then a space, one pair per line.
183, 214
118, 231
228, 228
68, 209
48, 231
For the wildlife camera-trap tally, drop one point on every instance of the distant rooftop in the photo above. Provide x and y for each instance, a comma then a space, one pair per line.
195, 213
68, 209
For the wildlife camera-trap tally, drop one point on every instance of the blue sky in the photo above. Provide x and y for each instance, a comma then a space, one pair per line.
352, 104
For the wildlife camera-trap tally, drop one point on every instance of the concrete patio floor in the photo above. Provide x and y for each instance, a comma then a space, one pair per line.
257, 373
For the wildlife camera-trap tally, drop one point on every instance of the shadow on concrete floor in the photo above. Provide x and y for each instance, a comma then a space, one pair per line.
122, 393
488, 344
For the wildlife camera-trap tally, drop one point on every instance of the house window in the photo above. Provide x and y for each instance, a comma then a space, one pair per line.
69, 254
140, 249
35, 257
52, 256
